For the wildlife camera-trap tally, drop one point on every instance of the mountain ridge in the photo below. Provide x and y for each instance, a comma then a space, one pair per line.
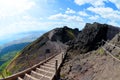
83, 48
53, 40
86, 60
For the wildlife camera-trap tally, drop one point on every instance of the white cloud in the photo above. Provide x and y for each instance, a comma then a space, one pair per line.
116, 2
66, 17
26, 17
100, 11
72, 21
97, 3
14, 7
106, 12
82, 13
27, 26
114, 23
57, 16
92, 2
29, 18
94, 17
70, 11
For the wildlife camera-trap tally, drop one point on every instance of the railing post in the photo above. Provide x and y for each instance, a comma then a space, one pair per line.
62, 57
56, 66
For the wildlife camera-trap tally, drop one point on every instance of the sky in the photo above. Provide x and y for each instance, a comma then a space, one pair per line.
24, 16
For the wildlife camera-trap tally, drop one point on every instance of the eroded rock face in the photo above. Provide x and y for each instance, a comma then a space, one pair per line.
64, 34
112, 31
88, 39
93, 64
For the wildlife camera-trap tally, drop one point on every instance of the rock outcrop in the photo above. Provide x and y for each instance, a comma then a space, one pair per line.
93, 63
90, 37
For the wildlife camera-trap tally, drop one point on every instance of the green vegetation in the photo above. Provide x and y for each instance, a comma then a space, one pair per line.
16, 55
100, 51
62, 75
8, 58
70, 33
3, 70
117, 56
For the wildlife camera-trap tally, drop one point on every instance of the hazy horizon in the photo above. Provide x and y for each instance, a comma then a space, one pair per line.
24, 16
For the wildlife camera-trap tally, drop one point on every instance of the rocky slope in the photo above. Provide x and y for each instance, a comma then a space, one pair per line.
88, 39
52, 41
94, 65
85, 59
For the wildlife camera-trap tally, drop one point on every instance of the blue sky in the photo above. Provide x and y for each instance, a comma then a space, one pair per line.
24, 16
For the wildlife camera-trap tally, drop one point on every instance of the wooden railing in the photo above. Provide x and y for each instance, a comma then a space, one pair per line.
22, 73
109, 52
33, 68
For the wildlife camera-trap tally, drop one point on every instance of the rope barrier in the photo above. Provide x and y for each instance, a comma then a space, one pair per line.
111, 55
109, 52
111, 44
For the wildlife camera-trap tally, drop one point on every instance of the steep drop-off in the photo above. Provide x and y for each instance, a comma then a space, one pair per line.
53, 41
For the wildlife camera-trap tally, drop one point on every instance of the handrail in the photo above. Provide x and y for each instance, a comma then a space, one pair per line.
22, 73
111, 44
55, 77
111, 55
27, 60
109, 52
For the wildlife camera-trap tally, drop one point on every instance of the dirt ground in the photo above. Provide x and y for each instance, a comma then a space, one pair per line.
90, 66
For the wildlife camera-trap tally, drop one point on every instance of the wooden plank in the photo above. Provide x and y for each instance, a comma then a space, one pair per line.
19, 78
22, 73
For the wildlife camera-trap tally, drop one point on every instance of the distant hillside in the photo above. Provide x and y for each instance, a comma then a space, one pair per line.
9, 50
14, 47
6, 58
53, 40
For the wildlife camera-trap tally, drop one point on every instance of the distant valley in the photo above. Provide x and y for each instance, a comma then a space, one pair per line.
10, 49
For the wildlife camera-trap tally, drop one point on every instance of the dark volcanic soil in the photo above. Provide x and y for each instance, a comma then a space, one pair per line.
94, 65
